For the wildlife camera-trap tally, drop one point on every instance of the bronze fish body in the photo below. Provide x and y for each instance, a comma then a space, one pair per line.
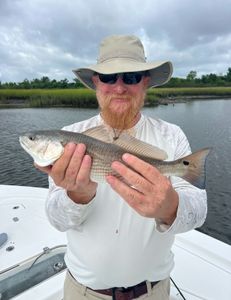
46, 146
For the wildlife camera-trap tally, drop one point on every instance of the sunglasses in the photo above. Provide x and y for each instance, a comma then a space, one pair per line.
128, 78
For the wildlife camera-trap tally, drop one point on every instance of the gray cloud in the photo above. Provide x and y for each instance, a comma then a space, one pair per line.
51, 37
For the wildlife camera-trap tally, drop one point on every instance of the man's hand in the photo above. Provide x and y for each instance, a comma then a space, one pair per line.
147, 190
72, 172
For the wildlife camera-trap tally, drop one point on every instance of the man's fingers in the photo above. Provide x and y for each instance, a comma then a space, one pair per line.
46, 170
60, 166
145, 169
85, 170
134, 179
133, 197
75, 163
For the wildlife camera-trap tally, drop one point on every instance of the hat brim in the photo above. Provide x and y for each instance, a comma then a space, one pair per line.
160, 72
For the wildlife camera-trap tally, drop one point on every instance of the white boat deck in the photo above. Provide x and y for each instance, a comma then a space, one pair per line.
202, 264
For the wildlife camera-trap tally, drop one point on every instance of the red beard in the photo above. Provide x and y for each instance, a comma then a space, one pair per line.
123, 118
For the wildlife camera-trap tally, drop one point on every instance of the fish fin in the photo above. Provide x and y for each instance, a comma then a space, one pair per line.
100, 133
195, 166
138, 147
99, 171
127, 142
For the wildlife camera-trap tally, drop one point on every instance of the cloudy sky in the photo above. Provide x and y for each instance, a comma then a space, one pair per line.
52, 37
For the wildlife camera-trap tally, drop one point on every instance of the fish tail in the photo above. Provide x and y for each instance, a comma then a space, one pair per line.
195, 167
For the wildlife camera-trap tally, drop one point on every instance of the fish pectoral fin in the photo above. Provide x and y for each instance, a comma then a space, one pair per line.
132, 145
99, 170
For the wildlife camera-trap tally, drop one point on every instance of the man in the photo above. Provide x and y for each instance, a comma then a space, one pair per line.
120, 234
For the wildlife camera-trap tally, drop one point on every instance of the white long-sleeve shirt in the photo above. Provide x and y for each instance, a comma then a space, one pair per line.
109, 243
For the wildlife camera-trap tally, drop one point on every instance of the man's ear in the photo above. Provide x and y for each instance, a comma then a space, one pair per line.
146, 81
95, 80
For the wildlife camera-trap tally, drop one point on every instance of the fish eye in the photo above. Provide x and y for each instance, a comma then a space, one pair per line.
31, 137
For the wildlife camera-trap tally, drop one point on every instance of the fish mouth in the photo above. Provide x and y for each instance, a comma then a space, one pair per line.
23, 143
27, 144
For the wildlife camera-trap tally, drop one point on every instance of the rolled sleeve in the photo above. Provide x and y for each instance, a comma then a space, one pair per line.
191, 212
62, 212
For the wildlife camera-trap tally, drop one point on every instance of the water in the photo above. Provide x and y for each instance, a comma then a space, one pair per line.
206, 123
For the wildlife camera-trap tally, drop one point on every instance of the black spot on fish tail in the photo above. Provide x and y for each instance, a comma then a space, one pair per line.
195, 168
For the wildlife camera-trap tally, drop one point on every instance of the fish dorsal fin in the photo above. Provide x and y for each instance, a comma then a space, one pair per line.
127, 142
135, 146
100, 133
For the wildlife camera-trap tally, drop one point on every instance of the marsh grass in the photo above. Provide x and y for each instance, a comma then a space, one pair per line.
191, 91
86, 98
48, 97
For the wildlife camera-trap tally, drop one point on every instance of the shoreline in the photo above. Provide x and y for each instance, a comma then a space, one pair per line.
185, 99
23, 103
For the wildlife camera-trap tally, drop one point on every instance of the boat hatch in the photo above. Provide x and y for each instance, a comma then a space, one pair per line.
22, 277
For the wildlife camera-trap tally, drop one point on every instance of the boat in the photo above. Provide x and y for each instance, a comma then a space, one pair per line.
32, 253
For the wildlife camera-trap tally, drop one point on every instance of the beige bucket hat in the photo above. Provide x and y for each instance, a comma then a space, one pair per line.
124, 53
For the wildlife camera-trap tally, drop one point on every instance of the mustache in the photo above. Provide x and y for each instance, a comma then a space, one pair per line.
126, 97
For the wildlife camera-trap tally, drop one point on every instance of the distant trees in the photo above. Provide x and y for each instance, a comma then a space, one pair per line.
228, 75
191, 80
42, 83
206, 80
191, 75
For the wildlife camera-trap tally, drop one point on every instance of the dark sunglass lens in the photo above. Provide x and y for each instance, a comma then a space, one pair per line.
132, 78
108, 78
128, 78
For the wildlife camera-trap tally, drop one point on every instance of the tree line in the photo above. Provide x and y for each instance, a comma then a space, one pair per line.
207, 80
42, 83
191, 80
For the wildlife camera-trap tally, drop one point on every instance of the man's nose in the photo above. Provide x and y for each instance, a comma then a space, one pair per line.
119, 86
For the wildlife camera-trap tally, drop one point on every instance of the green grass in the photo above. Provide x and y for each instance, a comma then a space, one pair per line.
191, 91
49, 97
86, 98
157, 94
